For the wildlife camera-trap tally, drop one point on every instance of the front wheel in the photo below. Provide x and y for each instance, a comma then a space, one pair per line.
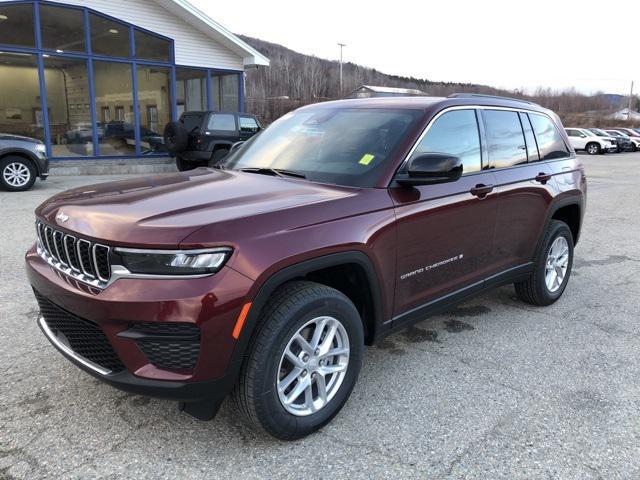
593, 149
304, 361
551, 267
17, 174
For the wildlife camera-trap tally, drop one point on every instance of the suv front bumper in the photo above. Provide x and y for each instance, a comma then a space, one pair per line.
98, 330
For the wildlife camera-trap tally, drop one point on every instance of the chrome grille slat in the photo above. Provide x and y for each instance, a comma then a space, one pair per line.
79, 258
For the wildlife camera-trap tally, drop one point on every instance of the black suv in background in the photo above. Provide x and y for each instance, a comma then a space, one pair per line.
22, 159
200, 139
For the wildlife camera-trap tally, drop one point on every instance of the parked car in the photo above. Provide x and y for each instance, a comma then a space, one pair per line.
339, 224
623, 144
584, 139
200, 139
629, 131
22, 159
635, 142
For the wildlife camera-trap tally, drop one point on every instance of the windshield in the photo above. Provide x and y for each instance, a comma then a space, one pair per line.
328, 145
600, 133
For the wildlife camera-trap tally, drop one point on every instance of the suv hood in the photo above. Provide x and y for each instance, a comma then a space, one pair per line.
162, 210
8, 136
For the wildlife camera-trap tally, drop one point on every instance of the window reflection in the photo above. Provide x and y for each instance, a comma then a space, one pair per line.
226, 93
154, 87
21, 110
67, 98
109, 38
152, 47
191, 86
114, 97
550, 142
62, 28
16, 25
455, 133
505, 138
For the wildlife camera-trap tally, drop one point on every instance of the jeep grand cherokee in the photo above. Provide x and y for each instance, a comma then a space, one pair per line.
337, 225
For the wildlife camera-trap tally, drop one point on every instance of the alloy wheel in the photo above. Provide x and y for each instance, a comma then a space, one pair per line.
16, 174
557, 264
313, 366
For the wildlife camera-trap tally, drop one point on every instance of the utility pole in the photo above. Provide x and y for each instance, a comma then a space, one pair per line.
342, 45
630, 97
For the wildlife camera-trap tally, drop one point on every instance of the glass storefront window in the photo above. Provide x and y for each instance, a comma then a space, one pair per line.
154, 98
191, 86
226, 92
17, 26
151, 47
114, 108
62, 28
70, 128
109, 38
20, 106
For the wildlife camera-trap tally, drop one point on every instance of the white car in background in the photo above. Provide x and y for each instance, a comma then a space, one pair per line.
583, 139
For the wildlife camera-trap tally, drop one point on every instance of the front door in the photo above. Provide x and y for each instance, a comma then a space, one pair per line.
445, 231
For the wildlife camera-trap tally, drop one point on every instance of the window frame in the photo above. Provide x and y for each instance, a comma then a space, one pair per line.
483, 140
89, 56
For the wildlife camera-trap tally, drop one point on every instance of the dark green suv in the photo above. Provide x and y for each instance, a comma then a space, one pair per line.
200, 139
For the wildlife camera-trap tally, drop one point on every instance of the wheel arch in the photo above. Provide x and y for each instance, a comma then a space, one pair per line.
23, 154
355, 267
570, 210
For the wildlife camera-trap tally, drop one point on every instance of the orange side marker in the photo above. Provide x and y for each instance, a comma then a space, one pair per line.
240, 322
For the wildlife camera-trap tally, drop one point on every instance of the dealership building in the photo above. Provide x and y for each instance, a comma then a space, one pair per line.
99, 79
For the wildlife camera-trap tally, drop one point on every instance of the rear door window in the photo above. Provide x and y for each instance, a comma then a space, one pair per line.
550, 142
222, 122
505, 138
455, 133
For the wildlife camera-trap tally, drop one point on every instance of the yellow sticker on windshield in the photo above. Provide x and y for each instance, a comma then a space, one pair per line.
366, 159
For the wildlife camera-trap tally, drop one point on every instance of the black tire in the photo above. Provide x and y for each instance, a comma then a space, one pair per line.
290, 308
593, 148
184, 165
534, 290
21, 183
176, 137
217, 156
634, 148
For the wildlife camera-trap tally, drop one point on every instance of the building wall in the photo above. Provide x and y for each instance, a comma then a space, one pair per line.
193, 47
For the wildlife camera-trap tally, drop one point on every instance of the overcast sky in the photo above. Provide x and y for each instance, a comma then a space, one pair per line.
551, 43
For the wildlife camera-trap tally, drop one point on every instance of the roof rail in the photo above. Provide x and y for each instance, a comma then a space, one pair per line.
482, 95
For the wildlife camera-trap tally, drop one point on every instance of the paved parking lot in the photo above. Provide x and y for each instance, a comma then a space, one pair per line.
493, 389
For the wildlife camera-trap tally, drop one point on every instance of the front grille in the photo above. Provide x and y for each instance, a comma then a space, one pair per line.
84, 337
82, 259
173, 346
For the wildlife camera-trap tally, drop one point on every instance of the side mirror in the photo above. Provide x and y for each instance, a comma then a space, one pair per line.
431, 168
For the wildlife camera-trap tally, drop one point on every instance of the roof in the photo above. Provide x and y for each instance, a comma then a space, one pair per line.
624, 114
211, 28
390, 90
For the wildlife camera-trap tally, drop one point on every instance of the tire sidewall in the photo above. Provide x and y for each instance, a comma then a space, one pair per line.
556, 230
32, 171
274, 417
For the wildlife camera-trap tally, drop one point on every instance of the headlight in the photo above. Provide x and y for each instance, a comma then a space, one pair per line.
172, 262
41, 148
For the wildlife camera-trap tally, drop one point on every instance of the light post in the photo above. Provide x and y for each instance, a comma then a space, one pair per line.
342, 45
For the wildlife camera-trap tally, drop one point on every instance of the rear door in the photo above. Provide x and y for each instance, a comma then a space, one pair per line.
220, 127
577, 138
525, 180
445, 231
248, 127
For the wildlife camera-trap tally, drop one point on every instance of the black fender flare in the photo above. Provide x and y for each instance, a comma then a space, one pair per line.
572, 199
294, 271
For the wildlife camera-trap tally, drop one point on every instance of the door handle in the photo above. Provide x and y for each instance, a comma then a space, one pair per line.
481, 190
543, 178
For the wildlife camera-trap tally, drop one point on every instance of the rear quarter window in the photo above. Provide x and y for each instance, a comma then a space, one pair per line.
550, 142
224, 122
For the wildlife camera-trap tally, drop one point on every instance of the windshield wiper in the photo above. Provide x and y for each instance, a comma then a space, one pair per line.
276, 172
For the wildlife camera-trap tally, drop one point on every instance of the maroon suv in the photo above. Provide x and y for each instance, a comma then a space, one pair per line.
339, 224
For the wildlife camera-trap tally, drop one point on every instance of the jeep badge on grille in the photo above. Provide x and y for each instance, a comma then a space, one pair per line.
62, 217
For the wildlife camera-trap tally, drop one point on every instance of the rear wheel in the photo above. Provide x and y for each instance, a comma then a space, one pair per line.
551, 269
593, 148
304, 361
17, 174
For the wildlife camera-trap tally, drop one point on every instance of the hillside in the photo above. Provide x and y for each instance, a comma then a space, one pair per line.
295, 79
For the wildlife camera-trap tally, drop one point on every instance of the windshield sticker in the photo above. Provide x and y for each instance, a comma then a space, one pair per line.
366, 159
431, 267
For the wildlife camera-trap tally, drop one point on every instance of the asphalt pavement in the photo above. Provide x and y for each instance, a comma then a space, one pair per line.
493, 389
